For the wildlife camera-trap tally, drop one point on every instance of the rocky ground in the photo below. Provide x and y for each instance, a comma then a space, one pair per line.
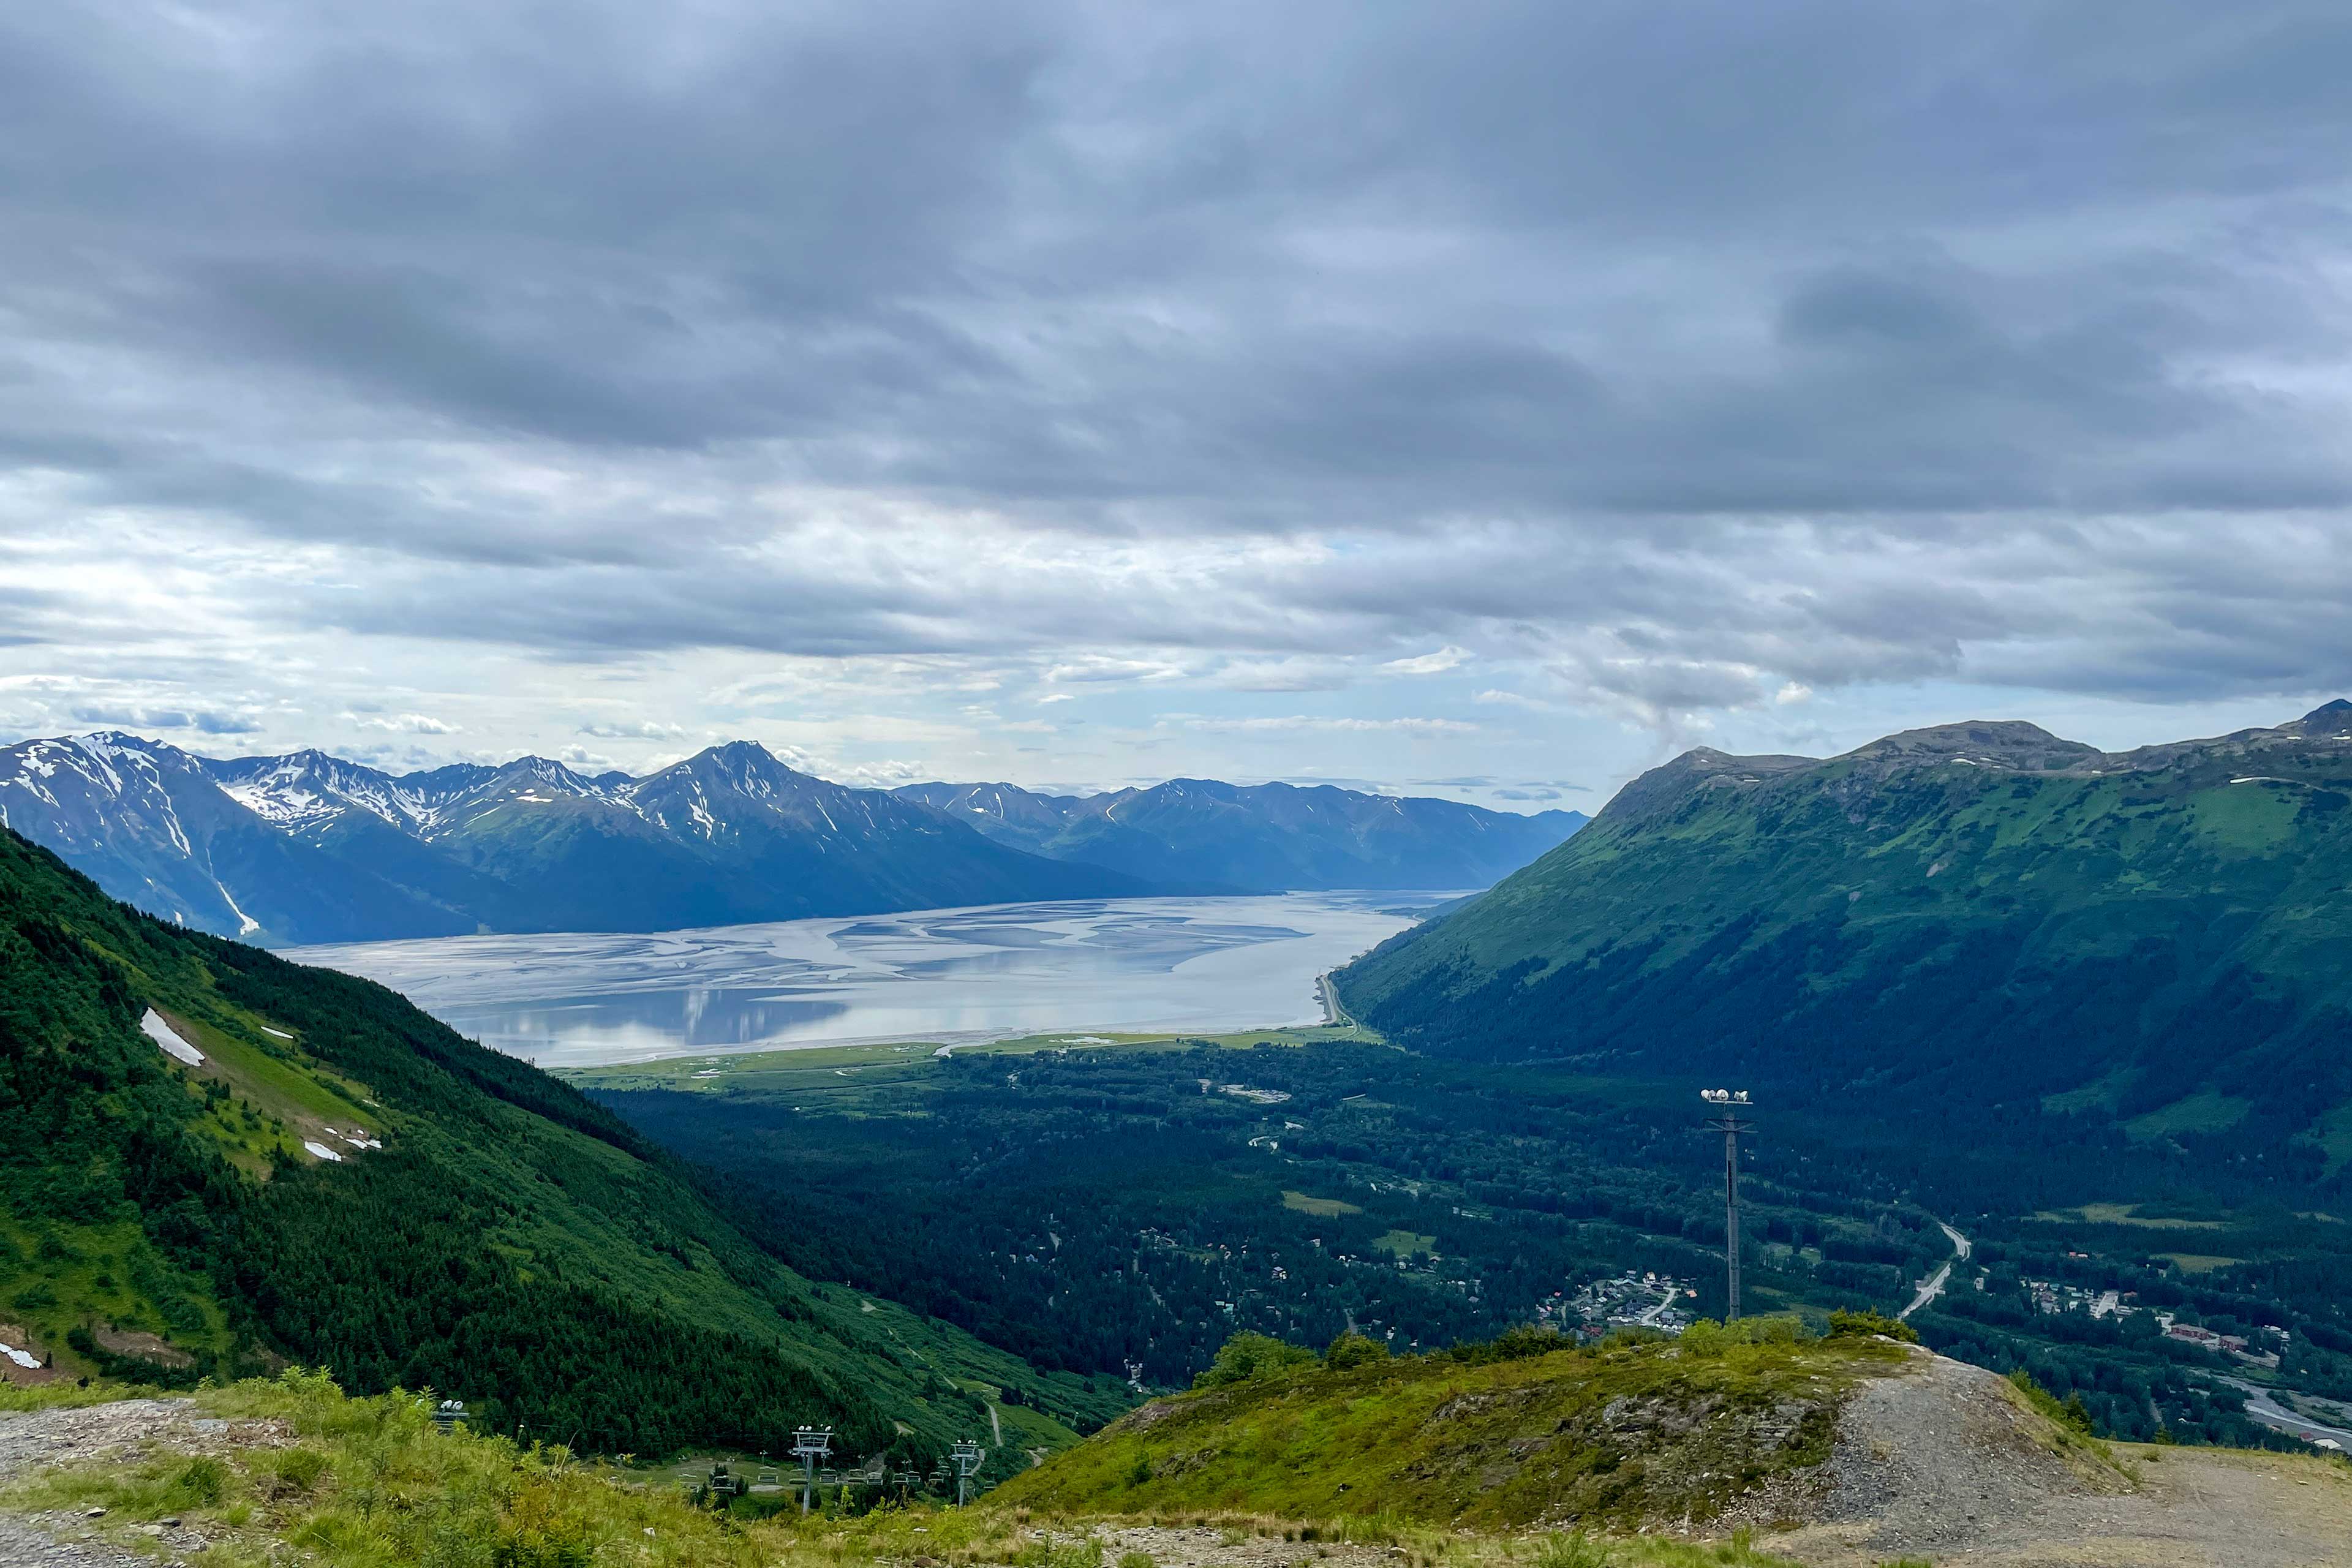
129, 1429
1199, 1547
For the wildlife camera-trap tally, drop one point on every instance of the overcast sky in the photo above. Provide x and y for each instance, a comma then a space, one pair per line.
1483, 400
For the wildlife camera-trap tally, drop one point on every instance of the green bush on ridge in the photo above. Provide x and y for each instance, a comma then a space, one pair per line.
1352, 1350
1865, 1322
1246, 1356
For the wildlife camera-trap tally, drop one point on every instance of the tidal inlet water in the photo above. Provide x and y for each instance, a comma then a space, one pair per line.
1136, 965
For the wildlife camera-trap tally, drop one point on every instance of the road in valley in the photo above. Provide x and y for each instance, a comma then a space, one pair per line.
1933, 1286
1325, 992
2272, 1413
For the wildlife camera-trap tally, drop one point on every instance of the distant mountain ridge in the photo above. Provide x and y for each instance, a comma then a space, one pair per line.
1981, 917
1205, 834
310, 847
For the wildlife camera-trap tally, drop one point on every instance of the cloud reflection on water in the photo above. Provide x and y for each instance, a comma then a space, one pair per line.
1138, 964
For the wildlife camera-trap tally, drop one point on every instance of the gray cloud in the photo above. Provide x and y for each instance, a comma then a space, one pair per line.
1657, 362
207, 722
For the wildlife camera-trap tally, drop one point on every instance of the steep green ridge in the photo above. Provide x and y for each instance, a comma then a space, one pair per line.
1981, 917
1619, 1434
510, 1242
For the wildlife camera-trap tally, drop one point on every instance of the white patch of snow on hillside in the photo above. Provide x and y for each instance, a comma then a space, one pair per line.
100, 750
22, 1358
279, 1033
245, 924
322, 1152
161, 1034
274, 801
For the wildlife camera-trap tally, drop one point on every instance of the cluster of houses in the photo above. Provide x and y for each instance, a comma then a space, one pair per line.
1635, 1298
2053, 1296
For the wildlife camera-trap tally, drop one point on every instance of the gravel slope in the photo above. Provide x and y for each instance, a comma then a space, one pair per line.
1942, 1462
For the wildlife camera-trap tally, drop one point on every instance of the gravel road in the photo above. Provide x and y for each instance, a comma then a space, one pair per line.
1942, 1464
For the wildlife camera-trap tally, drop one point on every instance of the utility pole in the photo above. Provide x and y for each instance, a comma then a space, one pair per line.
810, 1444
967, 1457
1731, 1124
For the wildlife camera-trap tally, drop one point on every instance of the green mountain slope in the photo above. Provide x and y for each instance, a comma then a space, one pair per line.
482, 1228
1980, 918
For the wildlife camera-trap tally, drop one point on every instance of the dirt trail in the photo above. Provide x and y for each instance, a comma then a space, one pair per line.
1942, 1463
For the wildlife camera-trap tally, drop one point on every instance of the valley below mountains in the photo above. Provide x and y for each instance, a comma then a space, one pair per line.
2045, 1045
307, 848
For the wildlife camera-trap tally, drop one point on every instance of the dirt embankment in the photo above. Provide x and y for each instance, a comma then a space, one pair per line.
1941, 1462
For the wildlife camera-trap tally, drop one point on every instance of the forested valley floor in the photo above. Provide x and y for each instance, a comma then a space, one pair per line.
1126, 1208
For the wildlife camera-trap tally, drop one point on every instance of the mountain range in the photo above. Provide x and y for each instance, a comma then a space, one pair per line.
1198, 834
307, 847
1980, 920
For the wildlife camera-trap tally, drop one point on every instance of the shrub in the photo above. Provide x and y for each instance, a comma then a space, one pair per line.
1708, 1338
1863, 1322
1352, 1350
2070, 1413
1248, 1356
1520, 1342
293, 1471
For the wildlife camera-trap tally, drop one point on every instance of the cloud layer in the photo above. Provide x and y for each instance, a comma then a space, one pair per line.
1080, 392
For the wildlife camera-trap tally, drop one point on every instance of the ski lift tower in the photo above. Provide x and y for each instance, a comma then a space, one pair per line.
967, 1457
811, 1443
1731, 1124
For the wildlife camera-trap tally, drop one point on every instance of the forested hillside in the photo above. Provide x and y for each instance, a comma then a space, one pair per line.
339, 1180
1981, 920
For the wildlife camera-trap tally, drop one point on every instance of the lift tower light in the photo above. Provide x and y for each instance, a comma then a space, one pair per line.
967, 1457
811, 1443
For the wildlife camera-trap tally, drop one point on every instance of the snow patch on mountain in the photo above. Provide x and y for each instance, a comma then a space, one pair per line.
168, 1038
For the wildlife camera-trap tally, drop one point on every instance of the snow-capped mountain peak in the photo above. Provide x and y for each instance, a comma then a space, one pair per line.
305, 791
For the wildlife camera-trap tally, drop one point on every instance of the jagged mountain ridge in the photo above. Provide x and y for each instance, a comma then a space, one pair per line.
309, 847
1982, 917
1211, 835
